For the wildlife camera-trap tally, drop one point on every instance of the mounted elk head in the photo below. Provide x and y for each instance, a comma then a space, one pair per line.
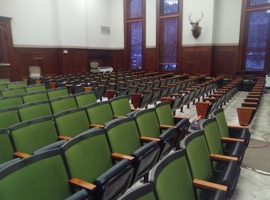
196, 29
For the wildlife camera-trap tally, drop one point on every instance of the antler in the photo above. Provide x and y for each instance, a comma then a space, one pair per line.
201, 17
190, 19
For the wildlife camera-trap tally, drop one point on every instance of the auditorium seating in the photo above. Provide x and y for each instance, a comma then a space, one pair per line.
65, 119
124, 140
229, 131
201, 166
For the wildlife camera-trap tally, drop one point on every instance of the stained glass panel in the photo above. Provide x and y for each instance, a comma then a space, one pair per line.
136, 45
169, 6
169, 44
258, 39
135, 8
258, 2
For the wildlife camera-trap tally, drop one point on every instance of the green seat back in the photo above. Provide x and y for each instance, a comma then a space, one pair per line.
6, 148
35, 96
34, 110
60, 104
8, 117
212, 136
11, 101
164, 114
17, 84
72, 122
57, 92
85, 98
172, 178
199, 156
88, 155
3, 86
222, 123
42, 176
99, 112
13, 91
120, 105
148, 124
123, 135
145, 191
35, 88
32, 135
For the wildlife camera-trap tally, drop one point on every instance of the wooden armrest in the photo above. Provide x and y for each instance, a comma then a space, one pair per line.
208, 185
176, 95
163, 126
236, 126
78, 183
62, 137
209, 99
148, 139
183, 91
119, 156
222, 157
96, 125
119, 116
21, 154
247, 108
203, 102
227, 139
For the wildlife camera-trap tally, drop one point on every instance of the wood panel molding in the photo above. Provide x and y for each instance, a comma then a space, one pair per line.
196, 60
73, 61
6, 48
225, 59
47, 59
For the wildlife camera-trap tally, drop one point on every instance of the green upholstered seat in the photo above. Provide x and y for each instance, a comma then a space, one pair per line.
143, 192
201, 164
99, 113
34, 110
8, 117
71, 122
17, 84
120, 105
124, 138
35, 88
88, 158
32, 135
85, 98
42, 176
215, 144
6, 147
13, 91
11, 101
230, 131
35, 96
148, 126
57, 92
63, 103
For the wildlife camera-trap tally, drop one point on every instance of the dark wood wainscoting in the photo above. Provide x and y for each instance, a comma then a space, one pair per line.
118, 60
47, 59
151, 64
209, 60
73, 61
225, 60
196, 60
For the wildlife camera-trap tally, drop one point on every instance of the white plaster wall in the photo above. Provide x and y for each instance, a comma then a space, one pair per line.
151, 23
117, 24
97, 15
227, 17
72, 23
34, 23
195, 7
